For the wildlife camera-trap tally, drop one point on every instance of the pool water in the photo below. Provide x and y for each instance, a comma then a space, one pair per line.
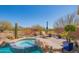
5, 50
23, 43
8, 50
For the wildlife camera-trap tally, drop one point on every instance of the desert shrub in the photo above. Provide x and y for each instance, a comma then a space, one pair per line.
64, 34
10, 37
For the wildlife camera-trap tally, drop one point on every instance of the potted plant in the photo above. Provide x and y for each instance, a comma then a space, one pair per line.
69, 29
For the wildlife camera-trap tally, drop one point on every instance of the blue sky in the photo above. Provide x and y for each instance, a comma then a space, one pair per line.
29, 15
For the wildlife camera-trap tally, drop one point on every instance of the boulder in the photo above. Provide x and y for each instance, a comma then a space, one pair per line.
2, 43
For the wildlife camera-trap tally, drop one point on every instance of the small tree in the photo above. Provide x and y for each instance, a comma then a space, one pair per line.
38, 28
69, 29
5, 25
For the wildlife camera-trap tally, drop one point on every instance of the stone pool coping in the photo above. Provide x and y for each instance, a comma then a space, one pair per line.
56, 44
15, 40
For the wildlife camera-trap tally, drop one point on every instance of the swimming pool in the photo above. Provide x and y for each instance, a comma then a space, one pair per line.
22, 46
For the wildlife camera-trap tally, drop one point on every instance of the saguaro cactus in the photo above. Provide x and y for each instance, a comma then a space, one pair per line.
16, 30
47, 27
77, 10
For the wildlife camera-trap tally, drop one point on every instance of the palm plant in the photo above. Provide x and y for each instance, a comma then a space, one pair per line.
69, 29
